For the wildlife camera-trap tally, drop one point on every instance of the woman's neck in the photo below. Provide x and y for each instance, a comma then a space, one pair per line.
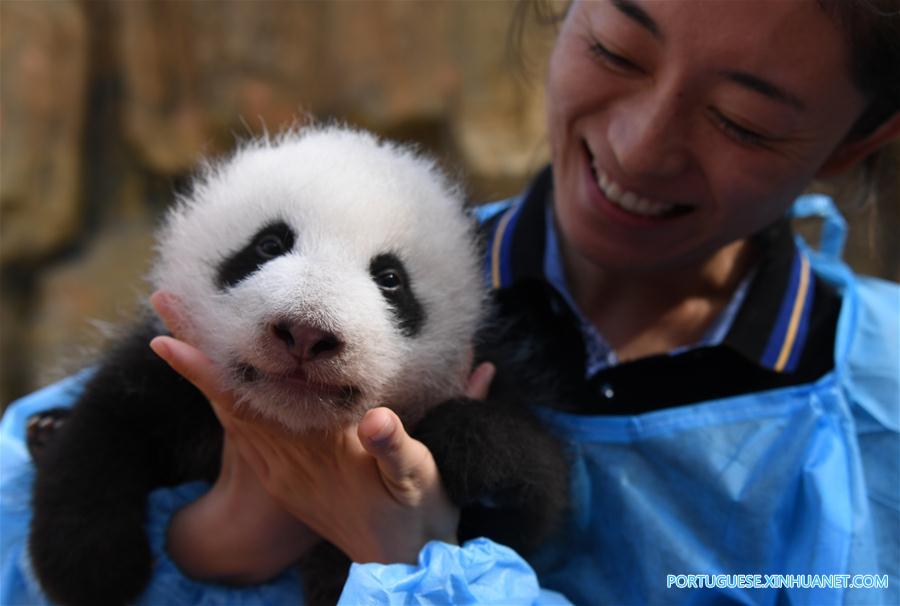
646, 313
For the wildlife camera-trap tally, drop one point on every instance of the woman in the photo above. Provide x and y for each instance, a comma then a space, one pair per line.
734, 407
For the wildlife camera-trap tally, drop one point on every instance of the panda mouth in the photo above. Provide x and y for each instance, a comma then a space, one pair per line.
300, 382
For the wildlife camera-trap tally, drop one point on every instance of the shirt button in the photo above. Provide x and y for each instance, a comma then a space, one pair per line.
606, 391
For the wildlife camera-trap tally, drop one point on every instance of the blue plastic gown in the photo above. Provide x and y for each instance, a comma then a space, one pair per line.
800, 480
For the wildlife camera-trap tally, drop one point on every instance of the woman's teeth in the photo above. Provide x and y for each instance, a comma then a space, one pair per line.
630, 201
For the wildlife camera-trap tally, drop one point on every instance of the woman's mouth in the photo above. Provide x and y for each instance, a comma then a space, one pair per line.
631, 202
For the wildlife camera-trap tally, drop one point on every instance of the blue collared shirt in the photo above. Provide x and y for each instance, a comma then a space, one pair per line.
598, 352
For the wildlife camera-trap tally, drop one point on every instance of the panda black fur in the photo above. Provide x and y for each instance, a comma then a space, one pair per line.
325, 273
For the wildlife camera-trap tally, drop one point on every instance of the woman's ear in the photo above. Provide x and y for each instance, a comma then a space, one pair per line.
852, 151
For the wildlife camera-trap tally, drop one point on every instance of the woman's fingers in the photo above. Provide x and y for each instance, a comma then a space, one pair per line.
193, 365
184, 359
404, 462
480, 381
168, 308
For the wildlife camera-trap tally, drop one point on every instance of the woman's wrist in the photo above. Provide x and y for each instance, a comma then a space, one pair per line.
219, 539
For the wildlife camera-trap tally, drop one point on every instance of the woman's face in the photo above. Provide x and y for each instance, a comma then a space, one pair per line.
679, 126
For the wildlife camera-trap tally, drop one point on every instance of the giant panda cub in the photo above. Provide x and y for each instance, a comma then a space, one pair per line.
325, 272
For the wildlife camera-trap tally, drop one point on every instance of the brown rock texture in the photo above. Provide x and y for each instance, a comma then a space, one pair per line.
43, 74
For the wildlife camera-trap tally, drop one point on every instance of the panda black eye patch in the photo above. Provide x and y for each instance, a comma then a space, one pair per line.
271, 241
392, 279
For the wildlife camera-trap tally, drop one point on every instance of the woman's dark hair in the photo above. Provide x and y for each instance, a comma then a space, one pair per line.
872, 30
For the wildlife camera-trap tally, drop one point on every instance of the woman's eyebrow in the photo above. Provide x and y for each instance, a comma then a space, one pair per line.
764, 87
633, 11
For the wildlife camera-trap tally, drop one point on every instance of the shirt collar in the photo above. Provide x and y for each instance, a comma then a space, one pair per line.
767, 320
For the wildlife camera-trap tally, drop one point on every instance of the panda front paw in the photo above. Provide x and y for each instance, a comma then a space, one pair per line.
41, 428
506, 472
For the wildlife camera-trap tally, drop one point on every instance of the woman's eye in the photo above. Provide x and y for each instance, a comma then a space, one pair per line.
613, 59
388, 279
269, 246
742, 135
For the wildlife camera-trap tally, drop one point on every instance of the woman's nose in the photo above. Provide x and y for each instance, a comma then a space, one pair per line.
650, 139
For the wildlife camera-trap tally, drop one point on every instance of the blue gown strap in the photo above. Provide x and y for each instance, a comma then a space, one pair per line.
834, 226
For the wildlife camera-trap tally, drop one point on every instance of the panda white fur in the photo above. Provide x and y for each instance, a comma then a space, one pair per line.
325, 272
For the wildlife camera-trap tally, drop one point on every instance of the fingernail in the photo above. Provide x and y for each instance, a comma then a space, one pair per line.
482, 376
384, 432
160, 348
159, 299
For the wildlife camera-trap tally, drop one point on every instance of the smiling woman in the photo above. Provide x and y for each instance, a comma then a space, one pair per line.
720, 132
727, 394
670, 149
681, 134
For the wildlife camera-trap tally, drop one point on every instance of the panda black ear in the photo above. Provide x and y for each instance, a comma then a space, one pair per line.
273, 240
390, 275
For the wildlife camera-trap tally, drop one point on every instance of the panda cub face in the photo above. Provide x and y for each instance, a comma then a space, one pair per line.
326, 273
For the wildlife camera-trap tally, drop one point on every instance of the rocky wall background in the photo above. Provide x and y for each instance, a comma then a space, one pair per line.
107, 105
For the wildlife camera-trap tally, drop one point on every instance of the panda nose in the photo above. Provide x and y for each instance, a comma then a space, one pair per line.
306, 343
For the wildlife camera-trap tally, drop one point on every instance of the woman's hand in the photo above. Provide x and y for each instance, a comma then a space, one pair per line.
236, 532
371, 490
